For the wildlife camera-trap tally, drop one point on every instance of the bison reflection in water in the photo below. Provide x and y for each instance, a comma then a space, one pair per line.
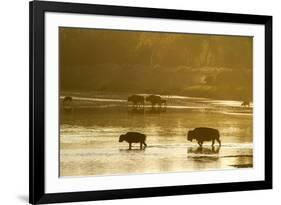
133, 137
202, 134
203, 150
202, 154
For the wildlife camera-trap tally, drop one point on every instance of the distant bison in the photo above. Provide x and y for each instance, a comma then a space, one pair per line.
202, 134
67, 100
156, 100
137, 100
245, 104
133, 137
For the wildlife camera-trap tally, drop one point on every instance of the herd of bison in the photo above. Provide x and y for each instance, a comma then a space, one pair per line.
199, 134
136, 102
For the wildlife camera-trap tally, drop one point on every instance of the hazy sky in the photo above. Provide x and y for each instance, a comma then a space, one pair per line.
165, 63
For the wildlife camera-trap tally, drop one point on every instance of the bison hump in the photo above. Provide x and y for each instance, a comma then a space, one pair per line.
205, 129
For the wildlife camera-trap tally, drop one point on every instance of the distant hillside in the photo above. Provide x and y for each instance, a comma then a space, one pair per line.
149, 62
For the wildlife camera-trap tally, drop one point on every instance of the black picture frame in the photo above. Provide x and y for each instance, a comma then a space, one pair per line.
37, 9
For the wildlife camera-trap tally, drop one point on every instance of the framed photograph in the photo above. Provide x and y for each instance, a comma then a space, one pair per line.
130, 102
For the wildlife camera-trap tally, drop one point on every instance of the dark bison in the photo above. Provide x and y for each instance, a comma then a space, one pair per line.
156, 100
133, 137
202, 134
245, 104
67, 100
137, 100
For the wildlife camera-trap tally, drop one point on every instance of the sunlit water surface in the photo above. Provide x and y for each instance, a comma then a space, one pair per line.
90, 130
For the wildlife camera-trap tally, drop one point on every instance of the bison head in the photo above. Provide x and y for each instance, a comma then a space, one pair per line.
121, 138
190, 135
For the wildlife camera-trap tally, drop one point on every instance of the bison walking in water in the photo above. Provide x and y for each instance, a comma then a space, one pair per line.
137, 100
67, 100
202, 134
245, 104
133, 137
156, 100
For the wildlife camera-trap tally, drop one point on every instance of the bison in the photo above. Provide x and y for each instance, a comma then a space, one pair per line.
202, 134
67, 100
245, 104
133, 137
156, 100
137, 100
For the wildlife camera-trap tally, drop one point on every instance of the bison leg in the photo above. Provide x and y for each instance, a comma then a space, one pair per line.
130, 145
213, 142
200, 143
145, 145
219, 141
140, 145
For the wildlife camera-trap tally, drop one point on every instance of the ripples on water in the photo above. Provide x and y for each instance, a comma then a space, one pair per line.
89, 136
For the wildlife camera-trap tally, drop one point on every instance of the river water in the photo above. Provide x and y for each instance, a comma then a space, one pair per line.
91, 125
